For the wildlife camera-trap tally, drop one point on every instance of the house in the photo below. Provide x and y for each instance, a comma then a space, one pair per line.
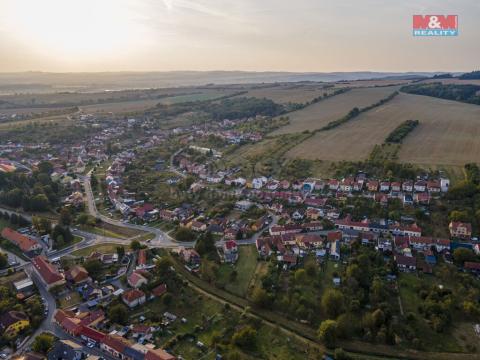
444, 184
460, 229
396, 186
433, 186
158, 354
407, 186
333, 236
298, 215
115, 345
230, 251
385, 186
50, 276
133, 297
313, 213
30, 356
335, 250
231, 233
89, 334
28, 245
159, 290
420, 186
473, 267
405, 263
13, 322
190, 256
346, 185
258, 183
65, 350
407, 199
372, 185
77, 274
167, 215
142, 258
333, 184
243, 205
284, 184
309, 185
136, 280
198, 226
384, 244
422, 198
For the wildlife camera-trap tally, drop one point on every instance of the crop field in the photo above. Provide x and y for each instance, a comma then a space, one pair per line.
371, 83
198, 96
120, 107
320, 114
448, 133
283, 94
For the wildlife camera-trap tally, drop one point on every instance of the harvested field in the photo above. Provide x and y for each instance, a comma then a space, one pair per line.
320, 114
448, 133
283, 94
371, 83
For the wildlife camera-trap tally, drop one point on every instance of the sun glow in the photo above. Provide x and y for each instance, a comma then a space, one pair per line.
74, 29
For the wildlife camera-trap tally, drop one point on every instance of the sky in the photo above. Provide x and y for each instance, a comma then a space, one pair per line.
251, 35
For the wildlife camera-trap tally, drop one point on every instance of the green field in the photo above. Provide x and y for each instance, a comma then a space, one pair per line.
102, 248
245, 268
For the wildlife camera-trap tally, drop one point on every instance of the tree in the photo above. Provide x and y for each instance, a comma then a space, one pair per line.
120, 252
261, 298
245, 338
460, 255
184, 234
82, 219
327, 333
300, 276
45, 167
163, 266
65, 217
205, 244
3, 260
167, 299
43, 343
135, 245
42, 225
118, 314
94, 268
333, 303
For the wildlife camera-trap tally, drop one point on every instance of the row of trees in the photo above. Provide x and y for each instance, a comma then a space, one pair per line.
465, 93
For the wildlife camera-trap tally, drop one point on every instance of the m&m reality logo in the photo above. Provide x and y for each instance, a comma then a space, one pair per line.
435, 25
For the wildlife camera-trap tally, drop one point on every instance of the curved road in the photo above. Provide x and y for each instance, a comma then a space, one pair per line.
161, 239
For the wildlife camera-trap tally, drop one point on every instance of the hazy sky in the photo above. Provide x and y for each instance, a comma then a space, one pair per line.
299, 35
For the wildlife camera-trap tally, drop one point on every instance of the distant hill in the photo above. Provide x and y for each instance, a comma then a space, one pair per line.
56, 82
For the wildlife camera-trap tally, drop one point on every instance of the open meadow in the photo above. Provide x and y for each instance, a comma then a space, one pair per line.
320, 114
448, 133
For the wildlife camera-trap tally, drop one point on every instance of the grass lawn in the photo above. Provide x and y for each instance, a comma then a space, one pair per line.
8, 280
76, 239
432, 340
102, 248
101, 231
70, 299
245, 268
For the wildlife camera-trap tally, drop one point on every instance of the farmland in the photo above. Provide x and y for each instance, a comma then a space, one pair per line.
447, 135
320, 114
297, 93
